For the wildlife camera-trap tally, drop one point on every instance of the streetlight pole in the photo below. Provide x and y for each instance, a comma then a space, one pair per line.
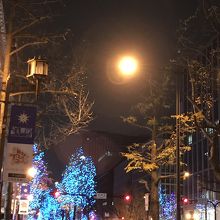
4, 98
38, 70
178, 208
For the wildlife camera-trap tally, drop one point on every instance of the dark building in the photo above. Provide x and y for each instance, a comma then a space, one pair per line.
202, 186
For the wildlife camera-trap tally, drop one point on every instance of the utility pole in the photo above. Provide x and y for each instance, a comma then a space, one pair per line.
2, 35
178, 192
4, 96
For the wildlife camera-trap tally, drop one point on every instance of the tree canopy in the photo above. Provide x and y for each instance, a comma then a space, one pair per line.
63, 100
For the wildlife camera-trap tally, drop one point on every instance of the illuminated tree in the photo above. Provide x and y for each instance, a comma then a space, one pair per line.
42, 202
167, 205
50, 208
77, 187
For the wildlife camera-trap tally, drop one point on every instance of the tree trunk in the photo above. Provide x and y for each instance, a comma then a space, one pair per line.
154, 197
74, 212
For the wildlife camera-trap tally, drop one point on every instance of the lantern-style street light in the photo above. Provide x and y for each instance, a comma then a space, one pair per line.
37, 70
37, 67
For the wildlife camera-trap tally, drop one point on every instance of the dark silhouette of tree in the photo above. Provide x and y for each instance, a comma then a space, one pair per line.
159, 151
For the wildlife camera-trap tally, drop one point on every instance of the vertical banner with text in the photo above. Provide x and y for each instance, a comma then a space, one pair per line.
19, 153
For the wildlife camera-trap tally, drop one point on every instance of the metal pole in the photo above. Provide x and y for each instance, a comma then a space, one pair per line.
37, 91
4, 96
205, 211
178, 211
74, 212
215, 212
215, 208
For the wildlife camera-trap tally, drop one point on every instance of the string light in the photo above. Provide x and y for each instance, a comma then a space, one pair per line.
77, 187
167, 205
42, 204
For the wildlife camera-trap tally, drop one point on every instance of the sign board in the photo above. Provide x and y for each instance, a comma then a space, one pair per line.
19, 153
23, 206
18, 160
22, 124
107, 214
101, 196
24, 191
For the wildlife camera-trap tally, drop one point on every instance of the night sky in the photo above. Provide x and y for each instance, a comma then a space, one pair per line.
113, 27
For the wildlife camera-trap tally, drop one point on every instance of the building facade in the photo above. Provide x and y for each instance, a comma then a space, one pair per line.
202, 188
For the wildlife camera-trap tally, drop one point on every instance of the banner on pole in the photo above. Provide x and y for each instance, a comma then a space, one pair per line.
17, 161
19, 153
23, 206
22, 124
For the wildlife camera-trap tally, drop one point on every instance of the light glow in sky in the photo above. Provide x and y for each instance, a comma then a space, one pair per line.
128, 65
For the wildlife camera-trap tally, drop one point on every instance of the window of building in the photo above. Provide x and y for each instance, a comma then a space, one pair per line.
209, 130
190, 139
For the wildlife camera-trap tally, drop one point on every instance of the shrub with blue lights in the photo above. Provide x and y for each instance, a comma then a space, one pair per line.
77, 187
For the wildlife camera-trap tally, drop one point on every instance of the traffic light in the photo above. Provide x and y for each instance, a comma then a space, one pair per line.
56, 194
185, 201
127, 198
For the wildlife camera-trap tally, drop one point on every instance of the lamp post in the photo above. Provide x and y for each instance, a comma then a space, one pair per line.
37, 68
178, 208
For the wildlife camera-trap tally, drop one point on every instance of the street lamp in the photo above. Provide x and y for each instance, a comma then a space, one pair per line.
32, 172
37, 69
186, 175
128, 66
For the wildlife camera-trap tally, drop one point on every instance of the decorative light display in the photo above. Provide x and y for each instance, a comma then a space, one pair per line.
205, 210
50, 208
59, 200
167, 205
77, 187
42, 205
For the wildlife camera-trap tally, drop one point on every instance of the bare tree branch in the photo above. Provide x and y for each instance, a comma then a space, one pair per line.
45, 91
29, 25
27, 45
